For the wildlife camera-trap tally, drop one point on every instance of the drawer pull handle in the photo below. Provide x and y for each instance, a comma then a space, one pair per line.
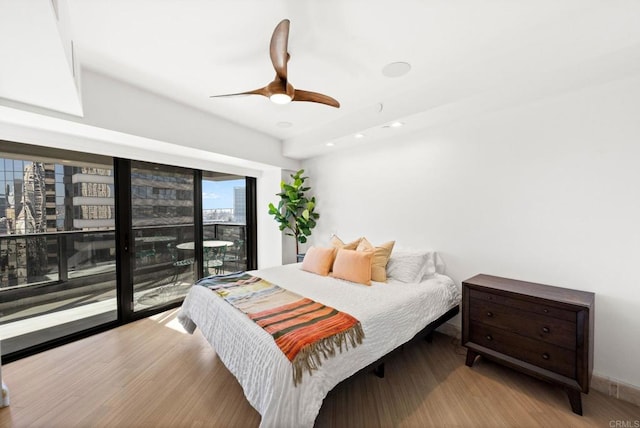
545, 329
489, 314
545, 356
489, 337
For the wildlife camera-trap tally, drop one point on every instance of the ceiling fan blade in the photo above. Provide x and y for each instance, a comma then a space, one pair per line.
280, 91
261, 91
278, 48
315, 97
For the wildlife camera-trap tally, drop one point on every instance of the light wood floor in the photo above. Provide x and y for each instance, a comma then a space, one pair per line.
150, 374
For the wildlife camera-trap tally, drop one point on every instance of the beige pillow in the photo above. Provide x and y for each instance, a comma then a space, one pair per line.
319, 260
337, 243
354, 266
381, 256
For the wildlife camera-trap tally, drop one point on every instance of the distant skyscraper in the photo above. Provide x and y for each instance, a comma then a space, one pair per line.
32, 218
3, 213
32, 254
240, 204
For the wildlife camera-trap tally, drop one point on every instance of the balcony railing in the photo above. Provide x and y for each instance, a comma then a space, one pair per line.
47, 274
34, 268
51, 257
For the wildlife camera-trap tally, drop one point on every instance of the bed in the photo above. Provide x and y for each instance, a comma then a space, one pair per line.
390, 313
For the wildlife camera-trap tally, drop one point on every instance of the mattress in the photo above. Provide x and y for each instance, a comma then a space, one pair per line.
390, 313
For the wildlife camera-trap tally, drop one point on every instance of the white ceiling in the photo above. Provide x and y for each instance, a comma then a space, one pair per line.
35, 56
467, 57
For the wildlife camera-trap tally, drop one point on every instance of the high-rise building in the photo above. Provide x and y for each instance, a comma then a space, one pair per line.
161, 198
240, 204
38, 184
25, 213
38, 197
89, 198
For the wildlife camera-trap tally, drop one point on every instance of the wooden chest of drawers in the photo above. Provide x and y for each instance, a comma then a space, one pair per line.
538, 329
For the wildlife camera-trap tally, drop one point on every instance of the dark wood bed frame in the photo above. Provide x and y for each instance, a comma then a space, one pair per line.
426, 333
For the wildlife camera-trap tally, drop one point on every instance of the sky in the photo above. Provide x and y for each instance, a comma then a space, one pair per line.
219, 194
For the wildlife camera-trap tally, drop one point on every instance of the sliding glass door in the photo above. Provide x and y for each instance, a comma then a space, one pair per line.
224, 219
57, 247
91, 242
163, 231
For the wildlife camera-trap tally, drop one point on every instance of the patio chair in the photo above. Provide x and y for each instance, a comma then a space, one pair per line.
178, 264
214, 259
236, 256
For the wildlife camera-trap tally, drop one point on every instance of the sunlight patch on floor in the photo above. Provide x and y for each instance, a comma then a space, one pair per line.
169, 319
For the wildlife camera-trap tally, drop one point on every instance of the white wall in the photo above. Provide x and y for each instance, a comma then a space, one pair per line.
269, 236
546, 192
112, 104
117, 106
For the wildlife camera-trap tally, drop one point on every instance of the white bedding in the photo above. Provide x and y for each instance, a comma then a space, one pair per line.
390, 313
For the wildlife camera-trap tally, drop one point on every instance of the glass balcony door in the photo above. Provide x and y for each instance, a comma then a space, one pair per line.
224, 220
57, 247
162, 239
89, 242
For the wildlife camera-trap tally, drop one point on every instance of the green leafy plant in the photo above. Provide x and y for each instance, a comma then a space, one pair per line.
295, 212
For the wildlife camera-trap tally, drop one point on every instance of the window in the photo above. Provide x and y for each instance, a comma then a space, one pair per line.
162, 225
224, 217
57, 248
66, 267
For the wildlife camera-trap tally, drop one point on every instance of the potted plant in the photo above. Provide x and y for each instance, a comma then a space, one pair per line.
295, 211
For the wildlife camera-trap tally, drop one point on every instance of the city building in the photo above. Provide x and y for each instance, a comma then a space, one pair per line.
239, 204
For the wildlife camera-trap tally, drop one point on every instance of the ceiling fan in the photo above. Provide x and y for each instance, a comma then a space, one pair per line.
280, 91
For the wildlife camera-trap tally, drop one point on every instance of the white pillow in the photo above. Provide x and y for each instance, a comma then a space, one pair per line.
413, 266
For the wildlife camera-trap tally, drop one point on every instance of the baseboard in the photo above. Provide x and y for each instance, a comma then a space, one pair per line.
611, 387
615, 388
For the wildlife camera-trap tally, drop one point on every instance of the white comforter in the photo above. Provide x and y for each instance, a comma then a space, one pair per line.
390, 313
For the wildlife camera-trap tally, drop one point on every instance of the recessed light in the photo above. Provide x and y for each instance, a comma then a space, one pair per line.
396, 69
393, 125
358, 135
284, 124
330, 144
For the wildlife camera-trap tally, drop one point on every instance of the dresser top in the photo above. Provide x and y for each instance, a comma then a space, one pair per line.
566, 295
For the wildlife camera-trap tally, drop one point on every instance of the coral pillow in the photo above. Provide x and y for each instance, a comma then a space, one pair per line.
337, 243
354, 266
381, 256
319, 260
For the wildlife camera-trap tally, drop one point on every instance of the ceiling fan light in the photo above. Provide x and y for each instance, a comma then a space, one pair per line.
280, 98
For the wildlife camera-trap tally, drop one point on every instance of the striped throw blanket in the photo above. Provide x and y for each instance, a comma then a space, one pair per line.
303, 329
